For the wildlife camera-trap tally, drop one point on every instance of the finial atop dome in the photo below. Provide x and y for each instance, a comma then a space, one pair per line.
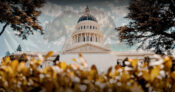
87, 10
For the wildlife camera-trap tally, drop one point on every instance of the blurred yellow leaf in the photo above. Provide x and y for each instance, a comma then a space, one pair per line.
167, 62
6, 61
48, 70
116, 73
145, 64
10, 71
62, 65
71, 73
92, 73
154, 73
22, 67
133, 62
146, 75
14, 65
173, 75
33, 60
117, 67
136, 88
49, 54
74, 59
124, 77
38, 62
54, 75
101, 79
109, 72
167, 58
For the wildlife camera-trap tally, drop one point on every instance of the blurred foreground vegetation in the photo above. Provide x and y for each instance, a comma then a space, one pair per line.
17, 75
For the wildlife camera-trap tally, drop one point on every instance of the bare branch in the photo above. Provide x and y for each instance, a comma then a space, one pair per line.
3, 29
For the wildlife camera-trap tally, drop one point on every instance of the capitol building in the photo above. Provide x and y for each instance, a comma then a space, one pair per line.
88, 39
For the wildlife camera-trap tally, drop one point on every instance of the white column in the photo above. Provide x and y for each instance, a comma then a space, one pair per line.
77, 38
81, 37
93, 39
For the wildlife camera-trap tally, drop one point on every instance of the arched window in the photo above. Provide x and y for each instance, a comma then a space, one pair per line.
93, 27
96, 39
84, 27
91, 38
84, 38
90, 27
81, 27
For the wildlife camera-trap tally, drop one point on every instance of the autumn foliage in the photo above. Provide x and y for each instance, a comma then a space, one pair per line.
32, 77
151, 26
21, 16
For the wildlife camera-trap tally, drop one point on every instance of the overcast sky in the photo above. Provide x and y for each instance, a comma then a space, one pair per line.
59, 18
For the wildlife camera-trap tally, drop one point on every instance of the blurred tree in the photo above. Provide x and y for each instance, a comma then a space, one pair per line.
19, 48
7, 53
23, 58
152, 25
21, 15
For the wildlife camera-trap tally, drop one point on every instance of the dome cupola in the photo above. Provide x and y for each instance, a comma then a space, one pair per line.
87, 16
87, 30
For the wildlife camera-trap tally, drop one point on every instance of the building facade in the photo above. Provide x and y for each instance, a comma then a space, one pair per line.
89, 40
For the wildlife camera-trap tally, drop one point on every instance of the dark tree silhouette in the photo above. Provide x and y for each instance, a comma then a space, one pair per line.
152, 25
19, 48
21, 15
7, 53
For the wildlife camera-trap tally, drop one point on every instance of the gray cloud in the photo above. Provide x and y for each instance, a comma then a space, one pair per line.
95, 2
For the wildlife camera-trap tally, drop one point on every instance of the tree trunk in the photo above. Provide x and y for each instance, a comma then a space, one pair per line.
3, 29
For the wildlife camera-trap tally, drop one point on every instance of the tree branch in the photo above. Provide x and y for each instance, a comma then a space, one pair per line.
3, 29
141, 36
173, 3
168, 35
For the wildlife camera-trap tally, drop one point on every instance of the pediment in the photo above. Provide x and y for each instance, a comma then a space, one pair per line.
87, 48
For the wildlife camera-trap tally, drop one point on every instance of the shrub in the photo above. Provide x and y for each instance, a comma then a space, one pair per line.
18, 76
